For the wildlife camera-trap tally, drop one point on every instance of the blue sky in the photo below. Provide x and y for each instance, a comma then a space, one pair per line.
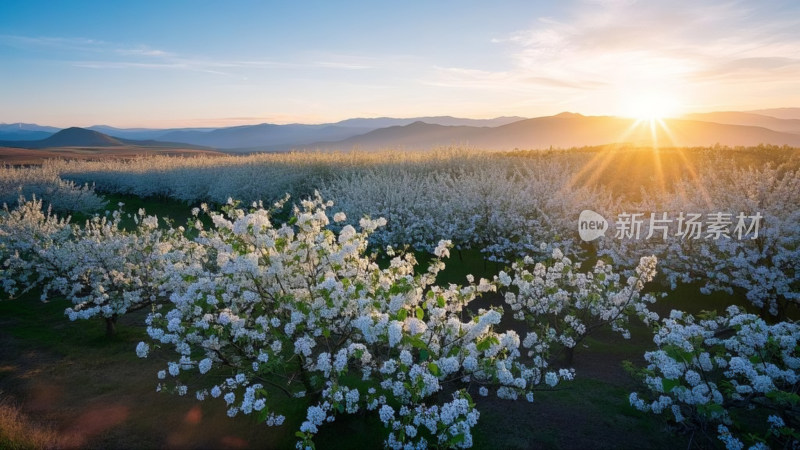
203, 63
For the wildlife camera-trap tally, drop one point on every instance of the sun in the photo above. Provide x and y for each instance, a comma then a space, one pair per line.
650, 106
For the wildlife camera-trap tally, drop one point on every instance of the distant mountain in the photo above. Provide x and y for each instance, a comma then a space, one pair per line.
563, 131
383, 122
24, 131
140, 133
81, 137
749, 119
416, 135
273, 137
780, 113
78, 137
263, 137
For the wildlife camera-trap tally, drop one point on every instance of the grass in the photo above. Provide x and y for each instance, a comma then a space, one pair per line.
18, 431
97, 394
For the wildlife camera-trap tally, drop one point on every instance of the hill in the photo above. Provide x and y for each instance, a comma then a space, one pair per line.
780, 113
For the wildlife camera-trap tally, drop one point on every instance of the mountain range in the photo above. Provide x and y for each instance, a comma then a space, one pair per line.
502, 133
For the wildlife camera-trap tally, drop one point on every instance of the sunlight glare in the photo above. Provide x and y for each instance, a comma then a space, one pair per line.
651, 106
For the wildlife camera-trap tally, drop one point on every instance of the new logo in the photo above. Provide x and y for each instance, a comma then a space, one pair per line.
591, 225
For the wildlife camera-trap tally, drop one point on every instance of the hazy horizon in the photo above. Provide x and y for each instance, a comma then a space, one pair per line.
186, 64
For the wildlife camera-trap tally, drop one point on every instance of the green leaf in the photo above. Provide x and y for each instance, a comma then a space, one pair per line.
440, 301
419, 313
668, 385
423, 355
434, 369
418, 343
486, 342
457, 439
402, 314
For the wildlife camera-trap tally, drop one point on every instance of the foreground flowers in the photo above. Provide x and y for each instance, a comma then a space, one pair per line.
298, 310
254, 312
733, 375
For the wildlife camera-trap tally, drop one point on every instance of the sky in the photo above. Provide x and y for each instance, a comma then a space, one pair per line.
199, 63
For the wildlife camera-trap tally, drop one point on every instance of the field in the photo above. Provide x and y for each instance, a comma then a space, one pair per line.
19, 156
67, 384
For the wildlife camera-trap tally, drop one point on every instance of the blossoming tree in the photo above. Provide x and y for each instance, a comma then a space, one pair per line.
562, 305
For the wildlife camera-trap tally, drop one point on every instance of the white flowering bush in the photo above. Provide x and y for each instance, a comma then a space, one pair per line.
102, 268
26, 232
107, 271
732, 375
562, 305
44, 182
298, 310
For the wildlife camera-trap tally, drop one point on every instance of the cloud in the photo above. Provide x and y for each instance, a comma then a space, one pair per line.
474, 78
608, 45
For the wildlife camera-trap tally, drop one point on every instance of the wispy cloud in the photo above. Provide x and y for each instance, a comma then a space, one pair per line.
44, 42
616, 44
108, 55
144, 51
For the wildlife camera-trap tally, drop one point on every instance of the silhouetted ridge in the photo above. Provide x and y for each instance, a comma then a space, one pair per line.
79, 137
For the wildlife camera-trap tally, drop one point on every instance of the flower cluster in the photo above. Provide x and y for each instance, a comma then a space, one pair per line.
719, 373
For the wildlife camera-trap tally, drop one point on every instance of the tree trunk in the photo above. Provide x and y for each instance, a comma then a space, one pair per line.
569, 355
111, 325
